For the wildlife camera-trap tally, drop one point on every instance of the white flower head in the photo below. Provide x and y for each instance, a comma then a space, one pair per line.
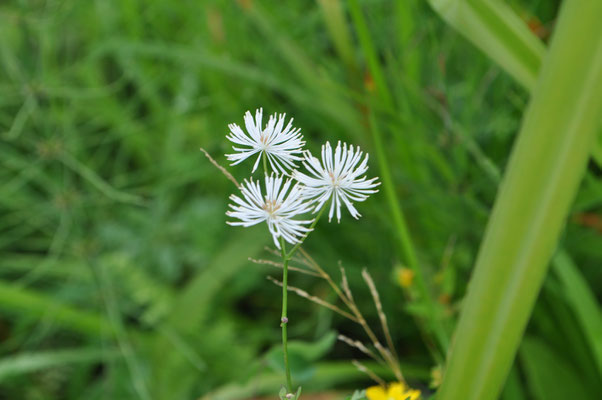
281, 145
339, 176
278, 208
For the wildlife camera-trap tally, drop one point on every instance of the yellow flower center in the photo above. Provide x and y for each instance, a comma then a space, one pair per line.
270, 206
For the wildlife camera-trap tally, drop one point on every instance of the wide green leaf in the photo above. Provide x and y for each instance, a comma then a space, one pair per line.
546, 166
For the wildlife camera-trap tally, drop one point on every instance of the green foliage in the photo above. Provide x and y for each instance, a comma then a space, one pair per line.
550, 376
358, 395
118, 275
302, 356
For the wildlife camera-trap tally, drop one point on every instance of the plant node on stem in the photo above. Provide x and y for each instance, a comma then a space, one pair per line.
284, 318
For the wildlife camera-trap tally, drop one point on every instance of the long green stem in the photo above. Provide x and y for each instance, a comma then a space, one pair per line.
284, 316
383, 93
541, 180
405, 239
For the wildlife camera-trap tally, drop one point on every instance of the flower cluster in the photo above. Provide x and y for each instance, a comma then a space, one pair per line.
338, 177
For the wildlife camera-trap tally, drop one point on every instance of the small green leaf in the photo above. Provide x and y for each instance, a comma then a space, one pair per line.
358, 395
298, 394
301, 355
282, 393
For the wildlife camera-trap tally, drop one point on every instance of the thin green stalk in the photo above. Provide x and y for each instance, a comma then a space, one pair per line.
284, 316
543, 175
311, 227
583, 301
407, 247
407, 20
336, 23
265, 163
405, 239
370, 53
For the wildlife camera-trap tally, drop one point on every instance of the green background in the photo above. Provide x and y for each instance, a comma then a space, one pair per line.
119, 278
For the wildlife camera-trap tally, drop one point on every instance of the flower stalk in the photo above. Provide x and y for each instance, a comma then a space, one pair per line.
311, 228
286, 257
284, 316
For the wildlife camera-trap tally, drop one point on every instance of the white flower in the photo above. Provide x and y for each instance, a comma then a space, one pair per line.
279, 145
278, 208
339, 177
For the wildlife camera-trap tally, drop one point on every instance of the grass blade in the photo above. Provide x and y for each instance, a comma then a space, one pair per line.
370, 53
384, 96
30, 302
336, 23
583, 301
31, 362
550, 376
546, 166
496, 30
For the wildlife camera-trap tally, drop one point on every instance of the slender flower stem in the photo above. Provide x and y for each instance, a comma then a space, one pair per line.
435, 326
284, 317
265, 162
311, 227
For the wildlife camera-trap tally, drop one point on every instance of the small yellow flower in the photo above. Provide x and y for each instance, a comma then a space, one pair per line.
405, 277
436, 377
396, 391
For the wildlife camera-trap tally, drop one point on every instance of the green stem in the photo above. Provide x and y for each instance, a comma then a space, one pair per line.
284, 317
311, 227
265, 163
383, 94
405, 238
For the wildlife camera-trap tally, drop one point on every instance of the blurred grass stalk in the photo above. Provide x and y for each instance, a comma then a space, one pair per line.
497, 31
334, 18
383, 94
542, 177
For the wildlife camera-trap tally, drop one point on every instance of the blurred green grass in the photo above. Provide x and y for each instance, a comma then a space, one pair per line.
120, 278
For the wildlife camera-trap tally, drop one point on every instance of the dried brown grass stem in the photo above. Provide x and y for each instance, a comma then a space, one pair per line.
362, 368
317, 300
222, 169
280, 265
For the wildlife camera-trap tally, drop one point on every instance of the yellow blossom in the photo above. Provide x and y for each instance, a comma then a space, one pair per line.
436, 377
395, 391
405, 277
